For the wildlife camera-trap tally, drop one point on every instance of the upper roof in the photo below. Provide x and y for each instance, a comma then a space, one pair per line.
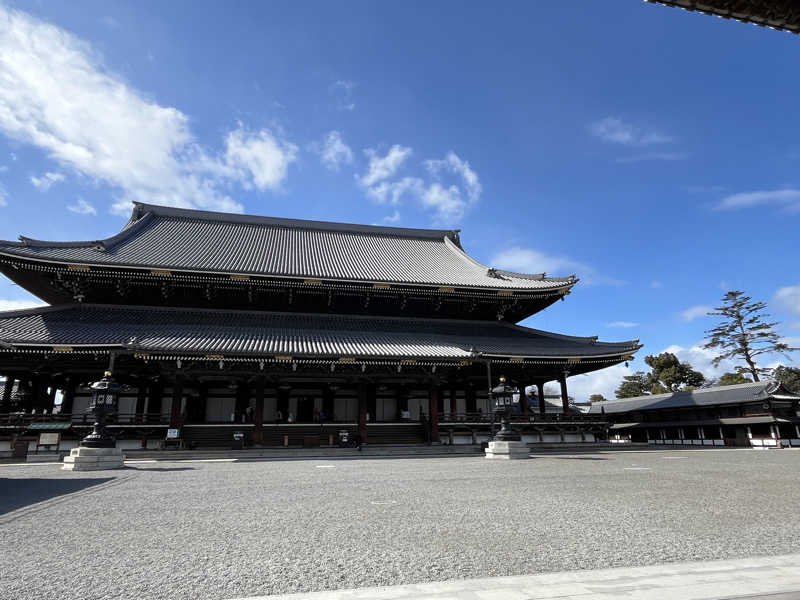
172, 330
158, 237
726, 394
778, 14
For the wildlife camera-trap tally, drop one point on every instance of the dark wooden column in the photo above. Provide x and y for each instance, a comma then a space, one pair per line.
401, 399
523, 399
283, 392
51, 396
155, 394
141, 399
177, 398
5, 401
362, 411
372, 401
564, 397
68, 399
258, 414
433, 408
453, 401
471, 400
201, 409
540, 392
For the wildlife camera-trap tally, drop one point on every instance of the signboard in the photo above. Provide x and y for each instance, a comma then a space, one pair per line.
49, 439
173, 434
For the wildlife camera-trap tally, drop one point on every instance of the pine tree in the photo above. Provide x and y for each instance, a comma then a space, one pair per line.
744, 334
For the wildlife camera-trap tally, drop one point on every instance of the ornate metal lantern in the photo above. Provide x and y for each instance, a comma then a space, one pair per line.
105, 398
504, 399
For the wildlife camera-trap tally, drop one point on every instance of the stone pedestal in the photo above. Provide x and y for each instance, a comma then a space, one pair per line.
93, 459
508, 450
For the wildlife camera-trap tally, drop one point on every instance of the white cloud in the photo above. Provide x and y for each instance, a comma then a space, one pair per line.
3, 196
383, 167
602, 382
701, 360
788, 199
788, 298
528, 260
6, 304
258, 158
82, 207
448, 201
333, 151
393, 218
656, 285
393, 192
342, 92
694, 312
46, 181
57, 95
623, 324
617, 131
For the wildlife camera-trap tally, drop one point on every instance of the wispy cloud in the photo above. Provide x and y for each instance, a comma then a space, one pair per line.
342, 92
788, 298
46, 181
529, 260
82, 207
617, 131
656, 285
451, 190
333, 151
383, 167
392, 218
622, 324
787, 199
58, 96
694, 312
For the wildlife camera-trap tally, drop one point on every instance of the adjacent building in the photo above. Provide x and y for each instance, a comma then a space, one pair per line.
758, 415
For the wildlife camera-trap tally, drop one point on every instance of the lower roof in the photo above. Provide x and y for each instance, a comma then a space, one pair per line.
203, 331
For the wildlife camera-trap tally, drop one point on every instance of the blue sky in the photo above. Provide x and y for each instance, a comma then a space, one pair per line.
651, 151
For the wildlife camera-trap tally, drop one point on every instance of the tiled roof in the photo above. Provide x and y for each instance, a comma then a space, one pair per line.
179, 239
727, 394
172, 330
778, 14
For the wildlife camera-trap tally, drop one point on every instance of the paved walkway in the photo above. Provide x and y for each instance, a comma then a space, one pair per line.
768, 578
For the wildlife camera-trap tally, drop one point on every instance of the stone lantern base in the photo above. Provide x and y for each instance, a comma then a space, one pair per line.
93, 459
508, 450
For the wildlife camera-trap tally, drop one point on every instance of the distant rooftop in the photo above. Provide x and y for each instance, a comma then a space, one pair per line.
211, 242
726, 394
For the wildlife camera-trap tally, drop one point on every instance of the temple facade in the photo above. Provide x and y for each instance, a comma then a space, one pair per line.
287, 330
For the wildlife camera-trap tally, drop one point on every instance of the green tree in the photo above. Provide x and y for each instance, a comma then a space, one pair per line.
671, 375
733, 379
744, 334
596, 398
789, 377
633, 385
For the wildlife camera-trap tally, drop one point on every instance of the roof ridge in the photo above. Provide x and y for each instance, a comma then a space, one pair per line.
141, 209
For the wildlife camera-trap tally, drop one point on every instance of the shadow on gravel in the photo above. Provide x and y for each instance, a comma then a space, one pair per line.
17, 493
161, 468
579, 457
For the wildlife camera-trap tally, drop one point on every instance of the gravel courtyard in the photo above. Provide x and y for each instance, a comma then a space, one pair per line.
216, 530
